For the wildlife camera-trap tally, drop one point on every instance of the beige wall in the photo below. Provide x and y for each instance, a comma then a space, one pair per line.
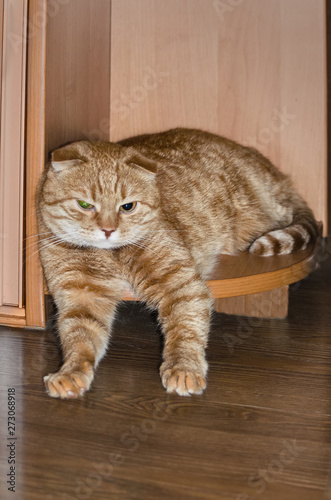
254, 71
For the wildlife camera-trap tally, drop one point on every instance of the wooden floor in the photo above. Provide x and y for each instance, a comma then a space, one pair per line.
261, 431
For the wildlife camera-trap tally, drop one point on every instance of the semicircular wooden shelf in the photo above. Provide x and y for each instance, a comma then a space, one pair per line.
245, 274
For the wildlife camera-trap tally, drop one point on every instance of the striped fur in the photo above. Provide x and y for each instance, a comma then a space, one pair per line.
193, 195
295, 237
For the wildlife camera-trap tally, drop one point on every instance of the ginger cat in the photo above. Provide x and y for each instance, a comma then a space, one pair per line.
153, 212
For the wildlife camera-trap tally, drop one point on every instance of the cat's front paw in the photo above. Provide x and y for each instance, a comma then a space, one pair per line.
68, 385
184, 381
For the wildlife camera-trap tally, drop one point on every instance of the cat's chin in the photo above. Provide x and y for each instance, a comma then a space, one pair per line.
102, 245
106, 245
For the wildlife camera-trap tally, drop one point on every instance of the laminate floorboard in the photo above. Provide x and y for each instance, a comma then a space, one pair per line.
261, 431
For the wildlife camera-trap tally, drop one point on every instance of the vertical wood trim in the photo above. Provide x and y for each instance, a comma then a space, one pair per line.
35, 156
21, 303
1, 167
12, 151
1, 49
1, 180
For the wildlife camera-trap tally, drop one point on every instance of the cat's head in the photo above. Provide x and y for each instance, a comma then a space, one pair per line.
99, 194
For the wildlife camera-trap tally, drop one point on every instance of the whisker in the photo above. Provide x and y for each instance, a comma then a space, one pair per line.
168, 230
140, 245
35, 243
46, 241
54, 243
38, 234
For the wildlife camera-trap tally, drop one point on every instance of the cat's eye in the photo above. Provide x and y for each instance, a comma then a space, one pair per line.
128, 207
85, 205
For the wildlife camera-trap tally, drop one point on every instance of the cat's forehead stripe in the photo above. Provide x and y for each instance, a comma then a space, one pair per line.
93, 191
98, 184
117, 177
56, 202
104, 184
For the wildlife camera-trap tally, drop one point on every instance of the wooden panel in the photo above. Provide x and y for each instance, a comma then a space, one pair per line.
35, 153
12, 316
1, 49
12, 152
77, 72
164, 63
253, 71
303, 93
222, 286
249, 74
270, 304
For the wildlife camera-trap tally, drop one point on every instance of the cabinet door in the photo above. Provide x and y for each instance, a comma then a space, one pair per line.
13, 62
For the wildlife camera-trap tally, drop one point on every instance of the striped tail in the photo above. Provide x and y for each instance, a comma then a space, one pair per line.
290, 239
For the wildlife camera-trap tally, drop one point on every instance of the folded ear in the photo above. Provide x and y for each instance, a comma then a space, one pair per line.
140, 161
69, 156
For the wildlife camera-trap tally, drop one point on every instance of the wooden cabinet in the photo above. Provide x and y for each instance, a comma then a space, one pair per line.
254, 71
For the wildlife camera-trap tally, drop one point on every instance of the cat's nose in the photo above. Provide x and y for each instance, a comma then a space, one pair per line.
108, 232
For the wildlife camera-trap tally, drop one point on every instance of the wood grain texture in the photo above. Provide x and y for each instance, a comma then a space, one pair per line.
303, 54
12, 316
252, 71
164, 63
268, 390
328, 66
270, 304
248, 275
249, 75
77, 72
35, 158
12, 152
1, 47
